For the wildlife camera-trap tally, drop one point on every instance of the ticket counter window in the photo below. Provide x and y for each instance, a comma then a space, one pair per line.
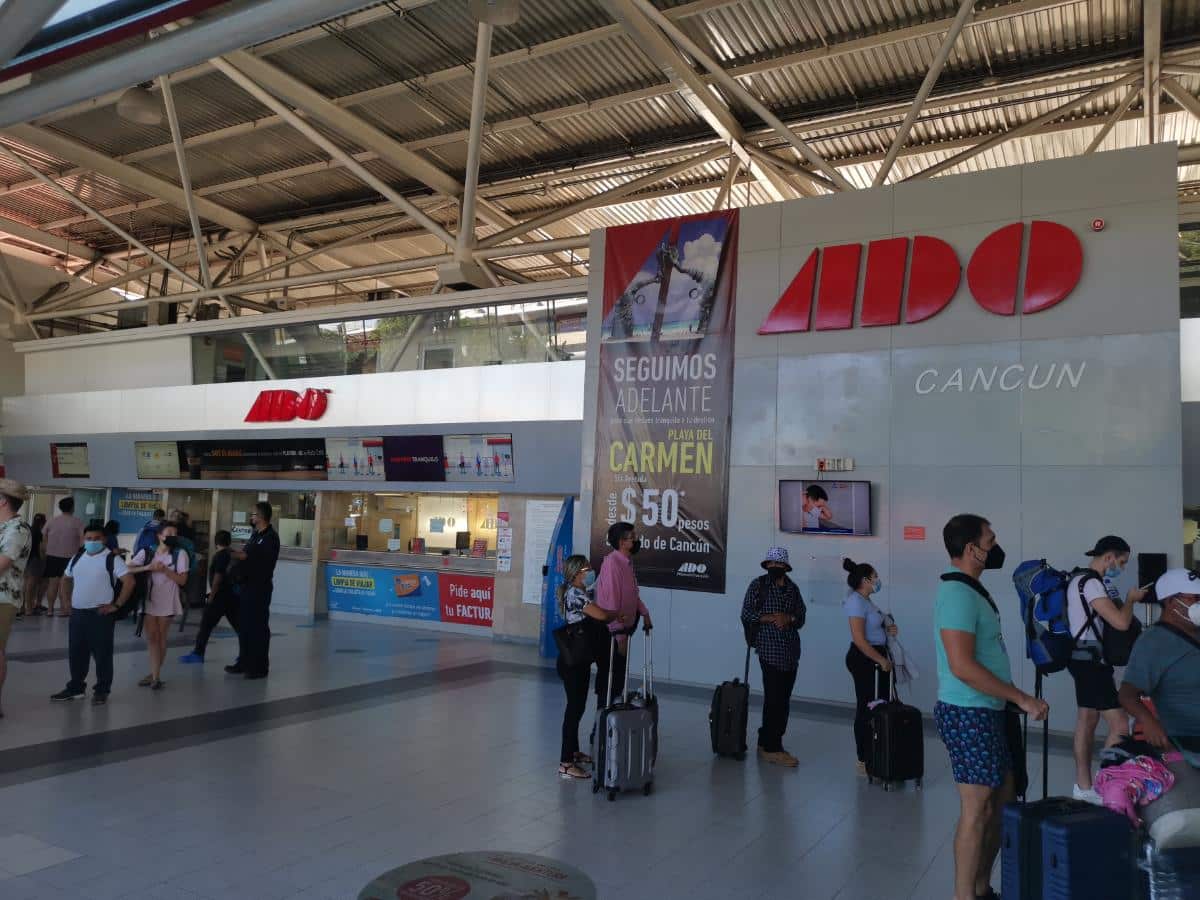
457, 524
293, 515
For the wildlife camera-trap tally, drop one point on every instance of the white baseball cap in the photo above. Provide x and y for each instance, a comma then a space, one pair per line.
1177, 581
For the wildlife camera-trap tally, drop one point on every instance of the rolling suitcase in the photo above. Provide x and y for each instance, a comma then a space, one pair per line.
1087, 855
897, 750
1021, 844
644, 697
626, 738
728, 716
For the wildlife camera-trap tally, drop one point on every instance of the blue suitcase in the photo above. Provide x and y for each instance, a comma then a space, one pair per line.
1021, 844
1088, 855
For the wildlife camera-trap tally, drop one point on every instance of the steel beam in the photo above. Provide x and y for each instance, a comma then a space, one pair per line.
66, 148
1152, 62
20, 23
1181, 96
247, 83
622, 190
466, 223
346, 124
931, 77
185, 177
696, 93
108, 223
237, 257
1117, 115
1027, 128
724, 194
249, 25
731, 84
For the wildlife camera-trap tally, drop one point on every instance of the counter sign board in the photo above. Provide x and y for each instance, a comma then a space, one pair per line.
410, 594
665, 398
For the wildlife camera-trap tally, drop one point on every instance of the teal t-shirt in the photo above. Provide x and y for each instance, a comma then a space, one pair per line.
1166, 667
959, 608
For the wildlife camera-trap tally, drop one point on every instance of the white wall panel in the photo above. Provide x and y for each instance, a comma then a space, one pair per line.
139, 362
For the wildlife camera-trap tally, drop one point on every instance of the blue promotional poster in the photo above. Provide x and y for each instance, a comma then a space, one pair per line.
133, 508
560, 549
383, 592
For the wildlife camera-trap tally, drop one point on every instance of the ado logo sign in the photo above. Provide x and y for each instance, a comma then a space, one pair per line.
287, 406
923, 275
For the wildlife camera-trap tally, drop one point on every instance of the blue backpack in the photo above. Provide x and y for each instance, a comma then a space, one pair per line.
1042, 590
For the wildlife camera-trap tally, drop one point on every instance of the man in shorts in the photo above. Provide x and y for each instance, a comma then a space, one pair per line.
15, 542
974, 684
1091, 591
64, 537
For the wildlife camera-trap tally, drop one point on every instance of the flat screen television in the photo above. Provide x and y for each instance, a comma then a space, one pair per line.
825, 507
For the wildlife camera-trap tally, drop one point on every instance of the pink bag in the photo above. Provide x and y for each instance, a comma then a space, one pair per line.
1132, 784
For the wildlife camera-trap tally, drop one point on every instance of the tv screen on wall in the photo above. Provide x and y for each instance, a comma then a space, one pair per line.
825, 507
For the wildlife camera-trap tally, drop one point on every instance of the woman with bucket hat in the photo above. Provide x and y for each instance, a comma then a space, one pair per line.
773, 614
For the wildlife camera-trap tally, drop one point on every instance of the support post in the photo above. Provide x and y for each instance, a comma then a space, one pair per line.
466, 225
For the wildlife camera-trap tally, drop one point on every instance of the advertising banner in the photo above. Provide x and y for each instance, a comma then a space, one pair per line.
69, 461
410, 594
416, 457
556, 557
382, 592
133, 508
478, 457
298, 459
665, 396
355, 459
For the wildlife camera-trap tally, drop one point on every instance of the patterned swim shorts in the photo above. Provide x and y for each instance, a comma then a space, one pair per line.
976, 741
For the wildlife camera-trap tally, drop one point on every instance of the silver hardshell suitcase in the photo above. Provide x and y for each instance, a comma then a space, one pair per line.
627, 737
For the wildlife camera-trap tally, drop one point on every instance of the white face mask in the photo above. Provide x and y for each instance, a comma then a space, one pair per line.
1193, 613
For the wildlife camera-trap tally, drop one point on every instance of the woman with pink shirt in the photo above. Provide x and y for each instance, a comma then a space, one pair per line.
168, 568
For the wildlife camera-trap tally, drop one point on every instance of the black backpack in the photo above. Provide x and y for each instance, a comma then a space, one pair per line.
121, 612
1113, 647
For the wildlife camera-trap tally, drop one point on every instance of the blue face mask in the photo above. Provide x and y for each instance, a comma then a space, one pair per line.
589, 580
878, 586
1114, 572
93, 547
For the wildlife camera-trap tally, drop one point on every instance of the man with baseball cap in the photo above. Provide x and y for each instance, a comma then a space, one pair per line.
772, 615
15, 541
1165, 664
1093, 605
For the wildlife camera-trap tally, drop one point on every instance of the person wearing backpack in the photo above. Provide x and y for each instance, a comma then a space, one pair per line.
773, 612
98, 585
222, 598
1093, 606
147, 538
168, 568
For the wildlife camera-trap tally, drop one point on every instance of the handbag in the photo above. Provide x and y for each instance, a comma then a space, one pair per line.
574, 644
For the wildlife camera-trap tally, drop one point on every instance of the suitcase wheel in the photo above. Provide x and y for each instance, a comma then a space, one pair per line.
647, 789
612, 795
596, 787
887, 786
918, 784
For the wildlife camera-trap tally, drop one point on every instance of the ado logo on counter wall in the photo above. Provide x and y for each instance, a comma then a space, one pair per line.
1053, 263
287, 406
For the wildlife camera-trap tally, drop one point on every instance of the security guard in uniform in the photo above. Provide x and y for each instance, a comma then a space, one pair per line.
255, 580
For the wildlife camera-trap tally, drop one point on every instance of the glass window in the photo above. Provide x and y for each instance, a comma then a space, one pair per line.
1189, 271
462, 524
293, 514
541, 331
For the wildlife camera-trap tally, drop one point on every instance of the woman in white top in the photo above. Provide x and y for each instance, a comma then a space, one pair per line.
867, 659
167, 569
577, 605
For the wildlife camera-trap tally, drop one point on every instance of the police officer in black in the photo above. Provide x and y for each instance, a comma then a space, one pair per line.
254, 581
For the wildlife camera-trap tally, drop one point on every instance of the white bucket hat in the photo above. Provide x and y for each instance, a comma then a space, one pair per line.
777, 555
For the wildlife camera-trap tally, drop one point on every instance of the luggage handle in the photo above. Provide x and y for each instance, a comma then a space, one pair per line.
746, 676
647, 666
612, 650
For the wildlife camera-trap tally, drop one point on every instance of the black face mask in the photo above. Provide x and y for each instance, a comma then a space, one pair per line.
171, 542
995, 558
637, 545
776, 572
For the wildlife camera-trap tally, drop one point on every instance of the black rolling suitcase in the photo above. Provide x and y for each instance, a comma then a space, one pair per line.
728, 716
897, 751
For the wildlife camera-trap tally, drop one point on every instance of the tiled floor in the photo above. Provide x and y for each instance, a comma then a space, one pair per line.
346, 764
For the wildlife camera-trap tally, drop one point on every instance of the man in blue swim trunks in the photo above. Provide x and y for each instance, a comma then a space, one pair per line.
974, 684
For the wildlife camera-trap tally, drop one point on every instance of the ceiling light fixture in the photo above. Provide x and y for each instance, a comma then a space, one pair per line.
139, 106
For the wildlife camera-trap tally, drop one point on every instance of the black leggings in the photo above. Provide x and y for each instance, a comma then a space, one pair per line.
575, 683
870, 684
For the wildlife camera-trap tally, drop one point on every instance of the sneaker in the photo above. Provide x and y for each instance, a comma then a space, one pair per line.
66, 695
780, 758
1087, 796
158, 685
860, 768
99, 699
192, 657
235, 669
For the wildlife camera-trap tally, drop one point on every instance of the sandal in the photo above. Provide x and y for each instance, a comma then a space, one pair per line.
147, 681
582, 759
571, 771
158, 685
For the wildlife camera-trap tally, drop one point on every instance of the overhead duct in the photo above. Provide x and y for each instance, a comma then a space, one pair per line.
463, 275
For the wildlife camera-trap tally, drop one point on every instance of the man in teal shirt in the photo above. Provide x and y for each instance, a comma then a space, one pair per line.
974, 684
